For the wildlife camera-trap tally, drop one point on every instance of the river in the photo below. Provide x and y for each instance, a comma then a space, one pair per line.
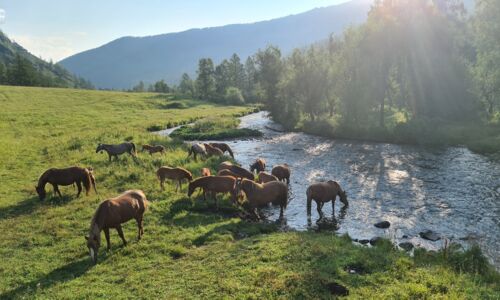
452, 191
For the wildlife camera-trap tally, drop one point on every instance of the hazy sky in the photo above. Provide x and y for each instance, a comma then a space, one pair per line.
55, 29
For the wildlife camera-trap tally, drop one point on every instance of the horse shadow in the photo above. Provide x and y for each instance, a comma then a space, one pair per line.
328, 223
60, 275
31, 204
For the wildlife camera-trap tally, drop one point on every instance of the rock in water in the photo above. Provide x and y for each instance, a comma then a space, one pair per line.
407, 246
430, 235
383, 224
374, 241
364, 241
337, 289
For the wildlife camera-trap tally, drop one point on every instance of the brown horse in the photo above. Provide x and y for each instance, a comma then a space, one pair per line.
214, 185
282, 172
258, 195
239, 171
196, 149
213, 151
176, 174
68, 176
266, 177
323, 192
112, 213
259, 165
153, 149
223, 147
205, 172
115, 150
226, 172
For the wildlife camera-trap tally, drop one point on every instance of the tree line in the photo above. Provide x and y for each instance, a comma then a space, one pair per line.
411, 60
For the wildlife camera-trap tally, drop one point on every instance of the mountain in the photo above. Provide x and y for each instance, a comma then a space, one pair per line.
126, 61
47, 74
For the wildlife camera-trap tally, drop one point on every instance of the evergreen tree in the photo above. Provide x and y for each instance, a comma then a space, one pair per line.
205, 82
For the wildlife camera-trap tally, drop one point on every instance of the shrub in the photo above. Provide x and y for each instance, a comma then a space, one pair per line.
234, 96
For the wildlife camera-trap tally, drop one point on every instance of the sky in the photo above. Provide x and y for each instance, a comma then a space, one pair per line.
55, 29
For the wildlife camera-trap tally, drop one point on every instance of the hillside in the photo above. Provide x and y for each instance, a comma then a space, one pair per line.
49, 73
125, 61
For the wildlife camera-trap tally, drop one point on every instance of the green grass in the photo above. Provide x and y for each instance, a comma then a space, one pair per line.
214, 128
189, 250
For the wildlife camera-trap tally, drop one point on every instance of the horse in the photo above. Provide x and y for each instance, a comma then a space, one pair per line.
205, 172
282, 172
323, 192
67, 176
258, 195
214, 185
197, 149
265, 177
226, 172
259, 165
153, 149
177, 174
213, 151
239, 171
223, 147
111, 213
118, 149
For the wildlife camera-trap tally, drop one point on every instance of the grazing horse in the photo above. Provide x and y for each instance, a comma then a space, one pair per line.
205, 172
112, 213
153, 149
282, 172
266, 177
214, 185
68, 176
323, 192
118, 149
223, 147
196, 149
213, 151
239, 171
177, 174
258, 195
259, 165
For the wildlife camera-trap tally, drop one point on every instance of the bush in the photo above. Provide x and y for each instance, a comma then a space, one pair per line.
234, 96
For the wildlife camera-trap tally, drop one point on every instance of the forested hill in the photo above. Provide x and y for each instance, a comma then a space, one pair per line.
128, 60
19, 67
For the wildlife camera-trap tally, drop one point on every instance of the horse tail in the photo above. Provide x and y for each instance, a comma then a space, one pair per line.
309, 201
133, 148
87, 182
92, 179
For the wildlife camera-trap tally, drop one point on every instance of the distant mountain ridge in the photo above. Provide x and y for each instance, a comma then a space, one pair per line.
128, 60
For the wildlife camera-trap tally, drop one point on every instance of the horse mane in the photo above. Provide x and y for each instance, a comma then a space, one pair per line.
95, 222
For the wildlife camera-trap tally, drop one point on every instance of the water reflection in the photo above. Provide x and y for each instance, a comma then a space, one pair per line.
451, 191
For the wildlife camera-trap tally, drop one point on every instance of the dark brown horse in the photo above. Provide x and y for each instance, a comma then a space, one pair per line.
153, 149
323, 192
223, 147
68, 176
259, 165
115, 150
214, 185
112, 213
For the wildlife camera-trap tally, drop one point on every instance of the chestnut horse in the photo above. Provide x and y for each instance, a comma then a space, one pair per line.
266, 177
259, 165
153, 149
115, 150
205, 172
274, 192
223, 147
214, 185
323, 192
112, 213
282, 172
176, 174
213, 151
68, 176
239, 171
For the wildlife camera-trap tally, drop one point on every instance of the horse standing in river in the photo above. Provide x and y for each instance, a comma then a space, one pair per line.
112, 213
323, 192
115, 150
259, 165
223, 147
67, 176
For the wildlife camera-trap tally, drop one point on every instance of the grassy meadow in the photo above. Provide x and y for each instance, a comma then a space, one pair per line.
189, 249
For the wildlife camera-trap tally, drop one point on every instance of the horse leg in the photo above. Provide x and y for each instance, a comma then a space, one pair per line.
79, 186
162, 186
180, 184
288, 180
120, 233
333, 206
56, 190
281, 211
106, 234
176, 186
319, 206
109, 156
140, 229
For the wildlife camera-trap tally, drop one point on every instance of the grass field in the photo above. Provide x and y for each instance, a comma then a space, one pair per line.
189, 250
214, 128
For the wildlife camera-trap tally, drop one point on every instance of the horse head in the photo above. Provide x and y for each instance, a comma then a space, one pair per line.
343, 197
93, 244
100, 147
40, 190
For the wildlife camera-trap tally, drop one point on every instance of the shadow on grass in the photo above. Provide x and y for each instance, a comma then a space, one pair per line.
31, 204
65, 273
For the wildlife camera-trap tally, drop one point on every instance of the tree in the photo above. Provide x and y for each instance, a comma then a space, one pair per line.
161, 87
234, 96
187, 86
269, 68
22, 72
139, 88
205, 82
222, 78
236, 72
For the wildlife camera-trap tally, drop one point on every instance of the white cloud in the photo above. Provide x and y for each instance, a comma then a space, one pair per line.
47, 47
